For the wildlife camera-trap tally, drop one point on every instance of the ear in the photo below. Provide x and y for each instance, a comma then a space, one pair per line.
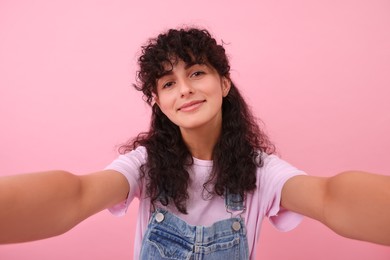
226, 84
155, 100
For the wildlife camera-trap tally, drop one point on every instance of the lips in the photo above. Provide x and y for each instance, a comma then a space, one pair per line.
189, 106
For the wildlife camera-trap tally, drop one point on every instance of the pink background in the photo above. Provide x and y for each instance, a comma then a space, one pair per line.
317, 73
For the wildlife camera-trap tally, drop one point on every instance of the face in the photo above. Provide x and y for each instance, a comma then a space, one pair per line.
191, 95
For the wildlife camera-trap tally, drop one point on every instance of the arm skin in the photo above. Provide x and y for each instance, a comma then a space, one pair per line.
42, 205
353, 204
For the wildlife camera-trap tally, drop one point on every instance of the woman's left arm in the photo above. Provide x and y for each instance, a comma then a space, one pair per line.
353, 204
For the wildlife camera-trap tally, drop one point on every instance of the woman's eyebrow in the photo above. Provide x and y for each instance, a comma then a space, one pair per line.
191, 64
186, 67
165, 73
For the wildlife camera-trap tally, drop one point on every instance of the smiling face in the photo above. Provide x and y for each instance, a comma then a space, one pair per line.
190, 95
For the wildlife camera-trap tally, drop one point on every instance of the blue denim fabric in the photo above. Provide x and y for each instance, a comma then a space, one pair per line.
169, 237
234, 202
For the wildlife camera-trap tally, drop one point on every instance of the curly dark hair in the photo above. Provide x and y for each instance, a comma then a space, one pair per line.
236, 154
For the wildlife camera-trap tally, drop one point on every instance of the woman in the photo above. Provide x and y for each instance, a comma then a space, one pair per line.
204, 173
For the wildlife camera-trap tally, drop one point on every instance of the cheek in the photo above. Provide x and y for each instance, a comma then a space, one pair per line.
169, 113
166, 104
217, 96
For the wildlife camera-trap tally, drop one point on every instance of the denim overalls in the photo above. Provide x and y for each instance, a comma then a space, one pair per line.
169, 237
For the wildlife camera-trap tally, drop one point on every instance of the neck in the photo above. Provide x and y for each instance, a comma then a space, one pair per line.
201, 141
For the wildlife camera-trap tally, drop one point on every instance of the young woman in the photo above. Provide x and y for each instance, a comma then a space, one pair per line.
204, 173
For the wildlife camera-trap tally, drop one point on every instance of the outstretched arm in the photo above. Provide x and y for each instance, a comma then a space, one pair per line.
353, 204
40, 205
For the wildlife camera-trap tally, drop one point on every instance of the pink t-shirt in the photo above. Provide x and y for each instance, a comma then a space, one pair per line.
265, 201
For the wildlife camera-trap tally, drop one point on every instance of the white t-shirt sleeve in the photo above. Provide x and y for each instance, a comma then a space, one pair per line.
129, 165
274, 175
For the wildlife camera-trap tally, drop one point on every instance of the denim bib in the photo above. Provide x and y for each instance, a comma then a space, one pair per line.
169, 237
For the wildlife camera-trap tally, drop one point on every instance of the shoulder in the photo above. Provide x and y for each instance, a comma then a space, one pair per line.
274, 173
139, 154
274, 165
130, 161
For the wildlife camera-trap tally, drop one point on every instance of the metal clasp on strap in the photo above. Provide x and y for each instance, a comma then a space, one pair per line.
235, 204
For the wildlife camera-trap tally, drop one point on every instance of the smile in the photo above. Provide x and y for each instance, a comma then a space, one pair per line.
191, 106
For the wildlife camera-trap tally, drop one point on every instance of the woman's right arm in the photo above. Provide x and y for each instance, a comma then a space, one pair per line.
41, 205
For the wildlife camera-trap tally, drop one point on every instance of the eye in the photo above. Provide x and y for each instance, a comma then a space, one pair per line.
197, 73
168, 84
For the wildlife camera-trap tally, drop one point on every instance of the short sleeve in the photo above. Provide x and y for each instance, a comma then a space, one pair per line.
274, 174
129, 165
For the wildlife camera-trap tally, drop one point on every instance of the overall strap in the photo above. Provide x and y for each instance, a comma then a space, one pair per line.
234, 202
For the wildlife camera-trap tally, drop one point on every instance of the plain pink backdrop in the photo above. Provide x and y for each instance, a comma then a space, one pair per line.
316, 72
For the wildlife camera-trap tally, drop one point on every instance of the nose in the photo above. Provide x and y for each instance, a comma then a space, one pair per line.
185, 88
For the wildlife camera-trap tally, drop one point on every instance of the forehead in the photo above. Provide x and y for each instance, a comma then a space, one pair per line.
187, 57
